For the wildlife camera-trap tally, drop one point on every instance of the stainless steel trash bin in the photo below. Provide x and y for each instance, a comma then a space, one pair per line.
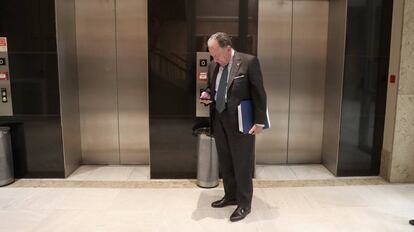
207, 165
6, 159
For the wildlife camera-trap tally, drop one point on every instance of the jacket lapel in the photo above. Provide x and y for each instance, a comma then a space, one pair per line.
234, 68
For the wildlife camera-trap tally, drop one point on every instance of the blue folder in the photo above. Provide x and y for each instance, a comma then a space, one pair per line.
246, 116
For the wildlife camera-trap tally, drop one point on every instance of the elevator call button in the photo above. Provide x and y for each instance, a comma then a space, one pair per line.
203, 63
2, 61
4, 95
202, 76
3, 76
3, 44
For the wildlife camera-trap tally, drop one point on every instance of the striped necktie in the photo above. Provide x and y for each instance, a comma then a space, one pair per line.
221, 91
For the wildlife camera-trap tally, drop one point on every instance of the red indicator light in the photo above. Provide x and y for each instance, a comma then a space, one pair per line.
392, 78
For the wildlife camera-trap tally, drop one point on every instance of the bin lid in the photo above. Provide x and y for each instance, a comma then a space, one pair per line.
202, 130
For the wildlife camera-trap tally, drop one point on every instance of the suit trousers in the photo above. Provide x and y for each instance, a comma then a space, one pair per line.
236, 157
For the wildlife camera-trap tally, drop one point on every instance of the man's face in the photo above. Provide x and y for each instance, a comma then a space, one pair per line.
220, 55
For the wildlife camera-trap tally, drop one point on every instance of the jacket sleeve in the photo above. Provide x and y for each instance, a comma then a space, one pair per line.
257, 91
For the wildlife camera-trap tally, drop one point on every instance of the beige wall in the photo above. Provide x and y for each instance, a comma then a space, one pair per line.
398, 150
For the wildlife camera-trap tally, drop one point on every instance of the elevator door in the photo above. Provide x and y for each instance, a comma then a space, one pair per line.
178, 29
289, 37
292, 41
112, 68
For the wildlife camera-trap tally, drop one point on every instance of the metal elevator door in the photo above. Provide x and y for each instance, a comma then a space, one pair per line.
292, 42
111, 37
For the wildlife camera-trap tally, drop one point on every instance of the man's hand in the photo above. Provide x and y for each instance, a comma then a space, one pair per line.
205, 98
256, 129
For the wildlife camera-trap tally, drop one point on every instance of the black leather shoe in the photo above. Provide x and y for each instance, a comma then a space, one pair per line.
411, 222
239, 214
223, 203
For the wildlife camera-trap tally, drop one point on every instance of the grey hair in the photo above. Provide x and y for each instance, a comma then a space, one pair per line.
222, 39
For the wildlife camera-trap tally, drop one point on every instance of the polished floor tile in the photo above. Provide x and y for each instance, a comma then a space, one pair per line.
293, 172
142, 172
274, 172
111, 172
311, 171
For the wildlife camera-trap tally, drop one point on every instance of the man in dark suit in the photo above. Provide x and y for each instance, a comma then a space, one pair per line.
234, 76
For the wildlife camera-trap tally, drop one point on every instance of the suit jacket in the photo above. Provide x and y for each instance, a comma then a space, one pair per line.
245, 81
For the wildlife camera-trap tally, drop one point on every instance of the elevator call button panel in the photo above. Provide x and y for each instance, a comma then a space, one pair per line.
203, 60
5, 90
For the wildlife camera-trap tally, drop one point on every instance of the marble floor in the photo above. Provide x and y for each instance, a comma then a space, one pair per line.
142, 172
330, 208
111, 173
293, 172
120, 203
